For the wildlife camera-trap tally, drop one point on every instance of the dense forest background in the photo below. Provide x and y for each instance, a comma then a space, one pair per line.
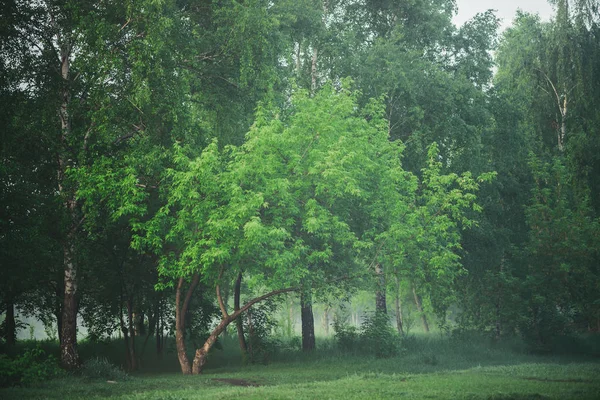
167, 165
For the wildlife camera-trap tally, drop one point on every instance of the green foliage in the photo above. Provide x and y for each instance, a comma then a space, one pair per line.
31, 367
346, 335
376, 337
259, 326
101, 368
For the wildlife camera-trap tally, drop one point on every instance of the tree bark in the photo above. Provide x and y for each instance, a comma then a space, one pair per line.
308, 322
201, 353
326, 320
180, 313
159, 344
125, 331
11, 326
69, 356
238, 322
419, 305
380, 293
133, 365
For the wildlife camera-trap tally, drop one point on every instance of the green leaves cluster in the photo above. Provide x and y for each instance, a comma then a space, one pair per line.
315, 194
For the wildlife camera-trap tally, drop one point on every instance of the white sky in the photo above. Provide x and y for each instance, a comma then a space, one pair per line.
506, 9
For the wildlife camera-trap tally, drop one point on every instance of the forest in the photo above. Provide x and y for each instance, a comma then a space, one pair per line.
298, 199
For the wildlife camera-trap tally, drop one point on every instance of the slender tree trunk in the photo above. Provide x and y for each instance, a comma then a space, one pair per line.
419, 305
251, 338
499, 303
133, 365
138, 320
313, 71
308, 321
149, 332
125, 331
380, 293
298, 60
238, 322
159, 331
290, 321
398, 307
180, 313
11, 326
326, 320
68, 347
201, 353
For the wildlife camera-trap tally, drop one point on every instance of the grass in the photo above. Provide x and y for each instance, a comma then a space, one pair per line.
428, 369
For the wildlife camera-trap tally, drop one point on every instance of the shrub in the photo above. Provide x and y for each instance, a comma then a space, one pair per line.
346, 335
375, 337
259, 325
31, 367
101, 368
378, 337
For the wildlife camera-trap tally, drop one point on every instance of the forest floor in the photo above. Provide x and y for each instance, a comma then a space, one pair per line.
429, 370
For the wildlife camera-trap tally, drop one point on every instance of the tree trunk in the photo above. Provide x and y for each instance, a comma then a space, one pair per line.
308, 321
201, 353
11, 326
125, 331
380, 293
419, 305
238, 322
298, 60
398, 307
326, 320
313, 71
69, 356
290, 317
133, 365
180, 313
138, 318
159, 330
499, 303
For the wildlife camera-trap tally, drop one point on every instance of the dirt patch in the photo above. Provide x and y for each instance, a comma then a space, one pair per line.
558, 380
237, 382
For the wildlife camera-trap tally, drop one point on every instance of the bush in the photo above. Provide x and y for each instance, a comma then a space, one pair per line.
376, 336
101, 368
346, 335
259, 325
31, 367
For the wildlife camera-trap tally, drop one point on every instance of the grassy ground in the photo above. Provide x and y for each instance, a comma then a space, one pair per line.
428, 369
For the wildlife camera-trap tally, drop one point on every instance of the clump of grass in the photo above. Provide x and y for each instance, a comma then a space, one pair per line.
101, 368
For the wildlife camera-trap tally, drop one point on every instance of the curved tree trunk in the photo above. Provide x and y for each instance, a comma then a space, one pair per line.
201, 353
180, 313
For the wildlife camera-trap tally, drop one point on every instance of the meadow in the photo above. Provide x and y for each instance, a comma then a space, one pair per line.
429, 367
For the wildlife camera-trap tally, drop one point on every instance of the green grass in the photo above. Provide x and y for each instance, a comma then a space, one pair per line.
427, 369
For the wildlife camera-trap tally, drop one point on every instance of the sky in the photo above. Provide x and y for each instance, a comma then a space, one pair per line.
506, 9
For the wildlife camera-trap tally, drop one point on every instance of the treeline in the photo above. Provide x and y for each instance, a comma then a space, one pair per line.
168, 164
